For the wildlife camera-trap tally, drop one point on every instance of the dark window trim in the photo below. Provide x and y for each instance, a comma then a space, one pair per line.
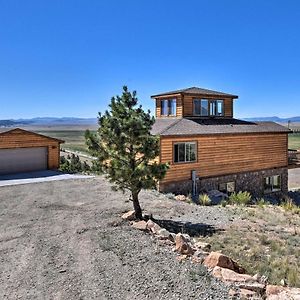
272, 189
226, 184
184, 162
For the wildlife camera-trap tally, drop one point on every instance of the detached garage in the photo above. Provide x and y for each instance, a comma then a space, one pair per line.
25, 151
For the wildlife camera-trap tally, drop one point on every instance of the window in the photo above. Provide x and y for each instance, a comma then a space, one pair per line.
272, 184
185, 152
228, 187
205, 107
201, 107
217, 108
168, 107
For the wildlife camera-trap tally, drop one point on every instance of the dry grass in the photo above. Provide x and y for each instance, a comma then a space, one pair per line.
265, 240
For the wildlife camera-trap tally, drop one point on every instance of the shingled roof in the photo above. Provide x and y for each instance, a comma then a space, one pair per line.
189, 126
196, 91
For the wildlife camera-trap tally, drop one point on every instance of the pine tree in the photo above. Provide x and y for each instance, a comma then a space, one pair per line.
125, 149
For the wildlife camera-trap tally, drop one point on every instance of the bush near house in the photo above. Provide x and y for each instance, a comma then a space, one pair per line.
73, 164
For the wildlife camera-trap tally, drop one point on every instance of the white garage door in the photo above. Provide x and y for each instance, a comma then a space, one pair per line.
23, 160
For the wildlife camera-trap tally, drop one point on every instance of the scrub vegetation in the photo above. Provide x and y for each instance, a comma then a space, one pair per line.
264, 241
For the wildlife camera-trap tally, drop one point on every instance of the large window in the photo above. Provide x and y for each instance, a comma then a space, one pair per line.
201, 107
185, 152
272, 184
205, 107
168, 107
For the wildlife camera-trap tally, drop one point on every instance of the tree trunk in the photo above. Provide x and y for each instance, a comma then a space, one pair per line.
136, 206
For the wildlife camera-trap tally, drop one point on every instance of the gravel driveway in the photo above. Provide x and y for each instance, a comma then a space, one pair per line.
66, 240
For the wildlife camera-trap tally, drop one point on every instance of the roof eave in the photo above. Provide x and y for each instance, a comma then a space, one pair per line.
193, 94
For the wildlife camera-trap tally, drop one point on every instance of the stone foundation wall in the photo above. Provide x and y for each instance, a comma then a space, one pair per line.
252, 182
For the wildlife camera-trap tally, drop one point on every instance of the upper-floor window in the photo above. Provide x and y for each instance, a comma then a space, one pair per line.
185, 152
201, 107
205, 107
272, 183
168, 107
217, 107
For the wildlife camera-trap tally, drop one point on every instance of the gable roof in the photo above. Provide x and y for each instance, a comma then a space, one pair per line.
189, 126
4, 131
196, 91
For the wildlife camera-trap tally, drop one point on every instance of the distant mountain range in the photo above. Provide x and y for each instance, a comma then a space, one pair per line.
273, 119
49, 121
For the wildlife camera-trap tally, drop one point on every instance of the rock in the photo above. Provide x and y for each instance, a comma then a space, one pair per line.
247, 294
165, 242
256, 277
197, 260
274, 292
172, 237
243, 281
181, 258
200, 255
180, 198
233, 293
140, 225
152, 226
187, 237
164, 234
218, 259
129, 216
182, 245
202, 245
283, 282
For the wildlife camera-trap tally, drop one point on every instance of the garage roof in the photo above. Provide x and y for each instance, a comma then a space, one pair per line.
5, 131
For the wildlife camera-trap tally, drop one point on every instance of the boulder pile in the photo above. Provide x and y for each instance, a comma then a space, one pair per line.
222, 267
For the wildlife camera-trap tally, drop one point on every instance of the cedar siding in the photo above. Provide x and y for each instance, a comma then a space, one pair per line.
189, 105
226, 154
18, 138
185, 105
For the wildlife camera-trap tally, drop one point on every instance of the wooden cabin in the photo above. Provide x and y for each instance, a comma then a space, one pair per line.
208, 149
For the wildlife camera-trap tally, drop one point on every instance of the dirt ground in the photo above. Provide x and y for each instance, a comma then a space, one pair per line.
66, 240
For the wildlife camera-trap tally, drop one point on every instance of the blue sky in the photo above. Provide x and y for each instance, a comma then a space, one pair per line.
68, 57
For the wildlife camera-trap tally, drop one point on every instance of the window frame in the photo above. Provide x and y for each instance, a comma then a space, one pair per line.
209, 110
272, 184
185, 152
226, 184
169, 107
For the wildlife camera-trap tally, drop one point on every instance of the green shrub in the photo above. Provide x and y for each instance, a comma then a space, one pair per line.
240, 198
204, 200
262, 202
289, 205
223, 203
73, 164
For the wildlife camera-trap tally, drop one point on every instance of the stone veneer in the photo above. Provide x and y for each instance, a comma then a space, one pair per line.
252, 182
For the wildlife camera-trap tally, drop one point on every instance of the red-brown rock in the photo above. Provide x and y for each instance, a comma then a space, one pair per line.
218, 259
182, 245
274, 292
129, 216
141, 225
242, 281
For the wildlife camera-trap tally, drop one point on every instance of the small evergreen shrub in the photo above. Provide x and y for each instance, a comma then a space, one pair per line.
204, 200
240, 198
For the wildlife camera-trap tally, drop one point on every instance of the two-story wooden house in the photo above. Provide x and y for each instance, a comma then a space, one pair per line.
208, 149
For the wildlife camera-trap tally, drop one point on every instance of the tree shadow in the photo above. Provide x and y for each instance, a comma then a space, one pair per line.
192, 229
